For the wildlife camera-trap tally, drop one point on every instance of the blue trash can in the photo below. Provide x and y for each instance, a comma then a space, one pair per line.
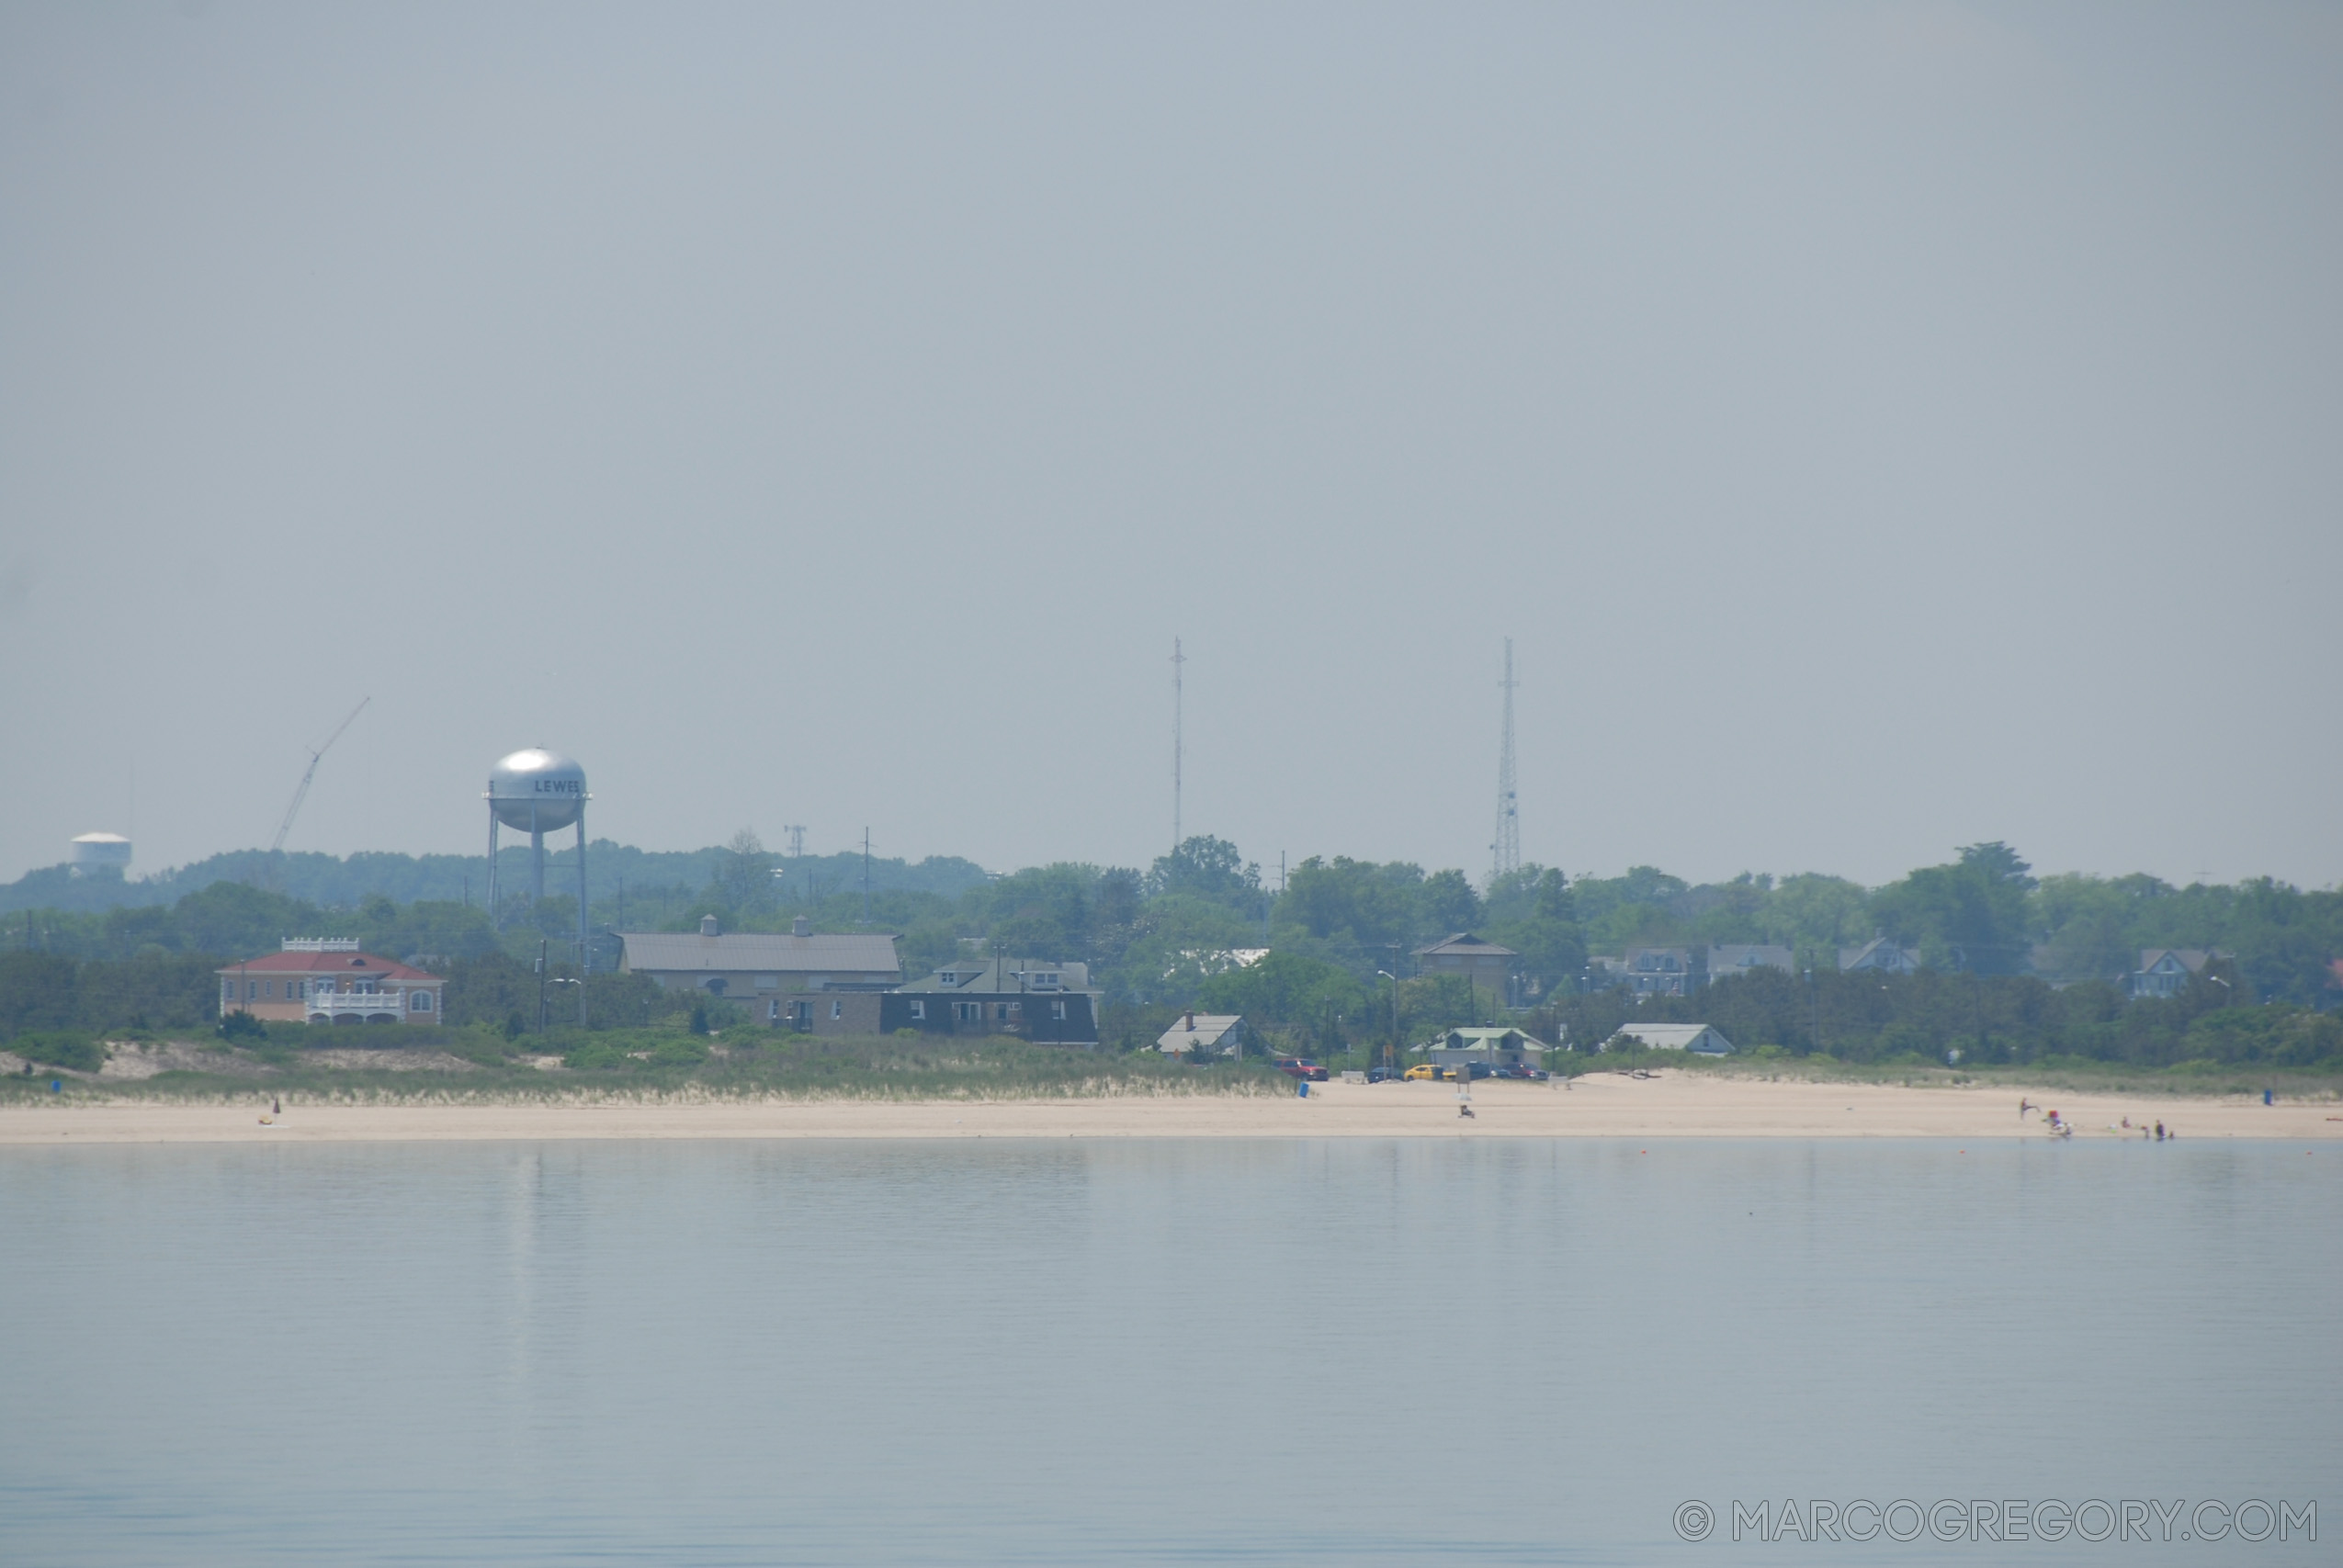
1304, 1086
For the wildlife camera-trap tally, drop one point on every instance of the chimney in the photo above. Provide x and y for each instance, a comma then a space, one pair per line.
801, 927
707, 925
1192, 1020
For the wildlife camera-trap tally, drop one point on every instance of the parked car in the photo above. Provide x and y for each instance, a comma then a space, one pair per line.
1376, 1075
1422, 1072
1301, 1067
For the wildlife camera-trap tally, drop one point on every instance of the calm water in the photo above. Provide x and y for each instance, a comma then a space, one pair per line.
1145, 1352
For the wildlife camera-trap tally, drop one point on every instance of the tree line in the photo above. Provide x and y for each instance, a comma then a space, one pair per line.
2033, 961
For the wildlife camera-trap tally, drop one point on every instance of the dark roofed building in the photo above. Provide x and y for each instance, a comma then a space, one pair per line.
2166, 971
1485, 965
1051, 1004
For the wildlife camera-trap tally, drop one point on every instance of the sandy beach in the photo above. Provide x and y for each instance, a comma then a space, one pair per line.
1599, 1106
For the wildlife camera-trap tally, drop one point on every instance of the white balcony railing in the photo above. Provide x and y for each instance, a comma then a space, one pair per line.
338, 1004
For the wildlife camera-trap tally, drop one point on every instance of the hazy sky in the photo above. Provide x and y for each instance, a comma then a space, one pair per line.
1880, 427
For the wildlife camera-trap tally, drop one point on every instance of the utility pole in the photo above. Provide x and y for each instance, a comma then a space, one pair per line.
1179, 700
1506, 851
541, 949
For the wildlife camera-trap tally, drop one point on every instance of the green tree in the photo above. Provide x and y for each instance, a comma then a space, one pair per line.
1545, 932
744, 878
1972, 914
1210, 869
1446, 903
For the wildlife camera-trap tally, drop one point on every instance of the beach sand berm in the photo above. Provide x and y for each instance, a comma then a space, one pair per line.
1600, 1105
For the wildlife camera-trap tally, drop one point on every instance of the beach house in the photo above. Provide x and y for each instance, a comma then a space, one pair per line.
326, 979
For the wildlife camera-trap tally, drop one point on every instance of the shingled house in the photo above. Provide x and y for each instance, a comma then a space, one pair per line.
1051, 1004
1486, 966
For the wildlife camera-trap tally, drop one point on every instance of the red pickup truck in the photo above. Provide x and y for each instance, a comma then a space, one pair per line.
1300, 1067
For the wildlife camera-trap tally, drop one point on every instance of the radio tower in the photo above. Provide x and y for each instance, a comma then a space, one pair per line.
1507, 851
1178, 701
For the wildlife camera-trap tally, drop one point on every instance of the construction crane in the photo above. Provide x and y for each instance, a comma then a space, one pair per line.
302, 793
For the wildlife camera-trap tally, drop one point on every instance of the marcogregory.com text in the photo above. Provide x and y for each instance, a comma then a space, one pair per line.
2000, 1519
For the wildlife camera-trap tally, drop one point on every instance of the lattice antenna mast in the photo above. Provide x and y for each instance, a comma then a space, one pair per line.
1506, 852
1179, 713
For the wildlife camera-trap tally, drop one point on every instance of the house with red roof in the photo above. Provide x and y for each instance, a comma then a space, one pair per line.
325, 979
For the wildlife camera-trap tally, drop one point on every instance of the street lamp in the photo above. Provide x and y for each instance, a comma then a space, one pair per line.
1393, 1057
566, 980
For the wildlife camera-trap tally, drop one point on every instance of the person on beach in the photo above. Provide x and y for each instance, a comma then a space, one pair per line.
2023, 1108
2159, 1132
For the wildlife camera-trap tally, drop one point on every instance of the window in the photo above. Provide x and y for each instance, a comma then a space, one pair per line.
918, 1011
1057, 1011
837, 1008
1001, 1011
252, 989
419, 1001
969, 1013
268, 989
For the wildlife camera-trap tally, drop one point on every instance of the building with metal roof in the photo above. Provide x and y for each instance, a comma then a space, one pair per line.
1697, 1038
1880, 954
1744, 958
1216, 1033
1497, 1047
761, 967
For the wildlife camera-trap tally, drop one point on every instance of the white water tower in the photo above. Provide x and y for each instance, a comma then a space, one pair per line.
100, 854
538, 792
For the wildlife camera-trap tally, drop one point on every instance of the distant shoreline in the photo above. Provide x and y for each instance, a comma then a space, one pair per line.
1606, 1105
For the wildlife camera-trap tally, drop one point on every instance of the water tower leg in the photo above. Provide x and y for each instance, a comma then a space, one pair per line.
585, 953
495, 921
536, 861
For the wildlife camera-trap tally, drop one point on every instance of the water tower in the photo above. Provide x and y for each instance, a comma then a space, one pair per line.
539, 792
100, 854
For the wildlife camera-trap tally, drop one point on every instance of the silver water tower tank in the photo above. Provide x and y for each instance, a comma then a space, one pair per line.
538, 792
100, 854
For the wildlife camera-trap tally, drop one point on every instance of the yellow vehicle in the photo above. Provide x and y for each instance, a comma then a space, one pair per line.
1422, 1072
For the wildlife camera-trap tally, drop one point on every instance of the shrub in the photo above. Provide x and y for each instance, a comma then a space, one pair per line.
242, 1025
61, 1048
